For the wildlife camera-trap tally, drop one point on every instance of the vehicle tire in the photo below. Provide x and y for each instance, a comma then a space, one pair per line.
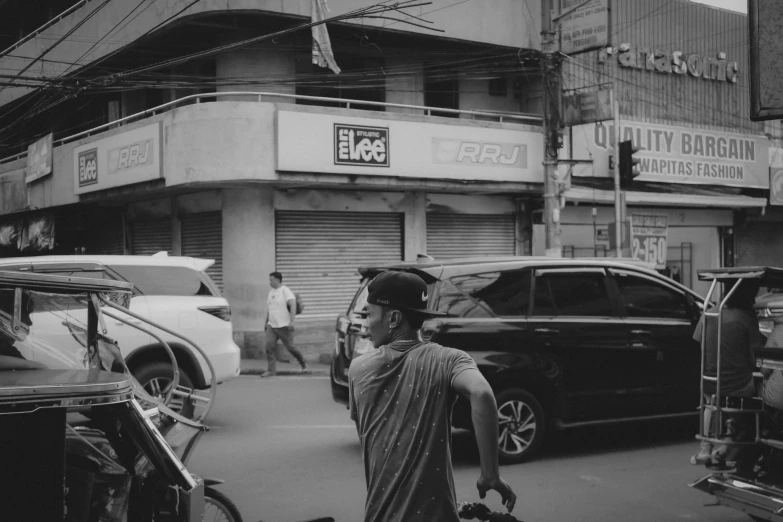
156, 376
522, 425
219, 508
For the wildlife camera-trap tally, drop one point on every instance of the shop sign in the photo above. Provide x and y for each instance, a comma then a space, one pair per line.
122, 159
706, 67
648, 238
776, 186
677, 154
336, 144
474, 153
586, 28
587, 107
39, 159
356, 145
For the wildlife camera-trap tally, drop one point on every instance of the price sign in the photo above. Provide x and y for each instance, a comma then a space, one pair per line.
648, 238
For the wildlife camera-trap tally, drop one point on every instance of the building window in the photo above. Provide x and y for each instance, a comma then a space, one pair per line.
362, 78
498, 87
443, 93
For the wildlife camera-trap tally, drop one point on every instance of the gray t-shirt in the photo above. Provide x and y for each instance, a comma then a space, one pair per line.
401, 400
740, 337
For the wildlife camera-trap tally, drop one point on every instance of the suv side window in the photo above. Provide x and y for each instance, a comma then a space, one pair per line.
644, 297
570, 292
164, 280
505, 294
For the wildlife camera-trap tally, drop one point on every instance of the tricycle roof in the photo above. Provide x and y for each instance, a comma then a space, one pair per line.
768, 276
53, 386
60, 284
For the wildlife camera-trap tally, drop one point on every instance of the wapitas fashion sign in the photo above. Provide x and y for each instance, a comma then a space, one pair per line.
122, 159
337, 144
678, 155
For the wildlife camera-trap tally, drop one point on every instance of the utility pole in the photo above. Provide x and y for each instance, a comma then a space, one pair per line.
618, 199
551, 82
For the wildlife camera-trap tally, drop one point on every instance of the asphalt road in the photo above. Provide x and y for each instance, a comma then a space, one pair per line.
288, 453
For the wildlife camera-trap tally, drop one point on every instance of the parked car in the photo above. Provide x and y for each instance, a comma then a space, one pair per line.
176, 293
562, 342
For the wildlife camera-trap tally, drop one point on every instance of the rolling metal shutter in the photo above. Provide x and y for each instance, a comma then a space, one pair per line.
150, 237
470, 235
759, 243
319, 253
202, 236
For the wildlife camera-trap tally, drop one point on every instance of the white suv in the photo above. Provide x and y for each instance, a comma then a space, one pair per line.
174, 292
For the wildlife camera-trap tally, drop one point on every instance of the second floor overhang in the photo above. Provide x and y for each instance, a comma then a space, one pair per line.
225, 143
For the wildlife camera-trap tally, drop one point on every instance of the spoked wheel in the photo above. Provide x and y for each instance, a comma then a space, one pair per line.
521, 425
219, 508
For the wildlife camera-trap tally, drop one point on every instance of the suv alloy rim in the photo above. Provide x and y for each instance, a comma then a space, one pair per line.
157, 386
517, 423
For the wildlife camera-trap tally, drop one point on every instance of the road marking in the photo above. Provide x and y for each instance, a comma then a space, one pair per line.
315, 426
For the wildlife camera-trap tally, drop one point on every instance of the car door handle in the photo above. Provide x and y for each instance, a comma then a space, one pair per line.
546, 331
641, 333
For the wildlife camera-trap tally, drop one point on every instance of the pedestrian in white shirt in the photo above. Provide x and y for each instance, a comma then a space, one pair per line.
279, 324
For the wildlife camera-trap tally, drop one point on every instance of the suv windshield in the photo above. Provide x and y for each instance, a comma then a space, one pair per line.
166, 280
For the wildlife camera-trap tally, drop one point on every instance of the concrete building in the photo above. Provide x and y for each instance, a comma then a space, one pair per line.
426, 143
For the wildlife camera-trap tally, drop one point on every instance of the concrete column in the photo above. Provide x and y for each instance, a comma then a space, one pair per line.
407, 89
257, 63
249, 256
176, 228
415, 224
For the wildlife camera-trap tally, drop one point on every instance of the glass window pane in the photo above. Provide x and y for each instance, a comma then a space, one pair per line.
645, 298
504, 293
164, 280
571, 293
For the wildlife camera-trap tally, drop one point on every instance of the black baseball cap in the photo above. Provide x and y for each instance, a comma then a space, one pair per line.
400, 290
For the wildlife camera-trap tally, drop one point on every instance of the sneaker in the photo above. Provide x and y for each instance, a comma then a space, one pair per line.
268, 374
700, 459
305, 369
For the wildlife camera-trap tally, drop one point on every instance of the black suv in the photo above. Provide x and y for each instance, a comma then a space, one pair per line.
563, 342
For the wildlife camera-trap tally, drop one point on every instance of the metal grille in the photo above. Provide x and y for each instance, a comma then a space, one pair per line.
470, 235
202, 236
319, 253
150, 237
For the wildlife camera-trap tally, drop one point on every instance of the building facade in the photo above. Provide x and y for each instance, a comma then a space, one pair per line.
421, 145
680, 73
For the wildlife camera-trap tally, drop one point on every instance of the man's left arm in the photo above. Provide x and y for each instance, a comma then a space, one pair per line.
473, 386
292, 311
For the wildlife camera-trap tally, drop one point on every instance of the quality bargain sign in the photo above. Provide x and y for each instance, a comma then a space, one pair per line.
677, 154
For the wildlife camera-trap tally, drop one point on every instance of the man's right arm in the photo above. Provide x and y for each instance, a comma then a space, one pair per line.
473, 386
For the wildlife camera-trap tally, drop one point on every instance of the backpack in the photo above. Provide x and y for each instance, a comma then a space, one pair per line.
299, 303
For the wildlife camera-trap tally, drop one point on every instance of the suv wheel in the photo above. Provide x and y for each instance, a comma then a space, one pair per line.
156, 377
521, 425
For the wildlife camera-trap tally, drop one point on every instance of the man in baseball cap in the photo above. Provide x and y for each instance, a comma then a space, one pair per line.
401, 400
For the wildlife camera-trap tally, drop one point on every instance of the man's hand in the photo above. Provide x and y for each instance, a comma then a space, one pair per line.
501, 486
290, 327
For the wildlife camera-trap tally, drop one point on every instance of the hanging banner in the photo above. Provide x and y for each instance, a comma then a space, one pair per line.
649, 238
39, 159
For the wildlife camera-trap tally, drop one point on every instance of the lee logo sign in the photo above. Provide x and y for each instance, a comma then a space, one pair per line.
88, 167
122, 159
365, 146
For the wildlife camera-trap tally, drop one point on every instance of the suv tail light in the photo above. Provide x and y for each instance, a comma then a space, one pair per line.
429, 328
221, 312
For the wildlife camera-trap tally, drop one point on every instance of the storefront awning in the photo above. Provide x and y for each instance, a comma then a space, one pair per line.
590, 195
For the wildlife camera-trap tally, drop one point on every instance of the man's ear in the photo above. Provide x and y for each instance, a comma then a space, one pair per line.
395, 318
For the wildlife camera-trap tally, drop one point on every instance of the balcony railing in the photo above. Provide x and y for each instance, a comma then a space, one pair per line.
530, 119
